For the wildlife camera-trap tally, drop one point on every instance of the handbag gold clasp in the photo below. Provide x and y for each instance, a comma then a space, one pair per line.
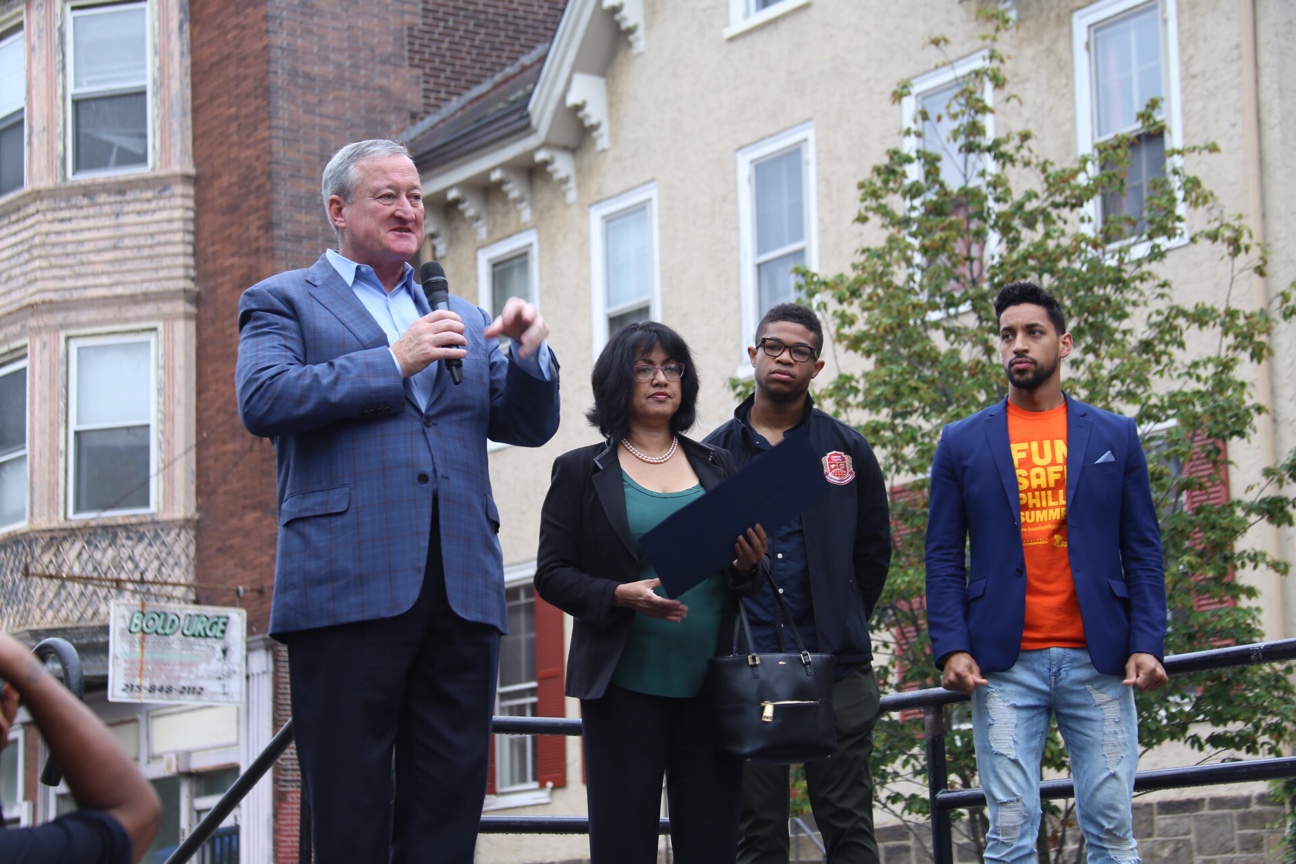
767, 708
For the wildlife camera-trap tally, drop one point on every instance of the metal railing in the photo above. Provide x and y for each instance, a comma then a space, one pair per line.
797, 829
932, 701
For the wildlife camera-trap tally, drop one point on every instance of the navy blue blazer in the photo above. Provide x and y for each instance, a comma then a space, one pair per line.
360, 464
1113, 541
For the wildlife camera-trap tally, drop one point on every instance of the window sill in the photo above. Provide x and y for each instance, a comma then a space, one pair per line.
519, 798
102, 173
111, 516
763, 17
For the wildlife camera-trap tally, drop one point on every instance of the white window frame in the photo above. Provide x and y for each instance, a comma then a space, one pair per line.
73, 343
75, 10
22, 817
744, 16
517, 576
802, 136
525, 241
17, 33
932, 81
938, 79
1082, 23
7, 367
599, 213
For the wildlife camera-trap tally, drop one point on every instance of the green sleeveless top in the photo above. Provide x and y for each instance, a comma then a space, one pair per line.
668, 658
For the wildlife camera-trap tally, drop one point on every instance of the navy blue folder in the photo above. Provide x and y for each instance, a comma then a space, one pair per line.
771, 490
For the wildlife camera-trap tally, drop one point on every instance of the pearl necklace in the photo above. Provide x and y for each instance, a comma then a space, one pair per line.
651, 460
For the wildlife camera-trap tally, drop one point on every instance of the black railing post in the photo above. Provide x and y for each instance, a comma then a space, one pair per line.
937, 782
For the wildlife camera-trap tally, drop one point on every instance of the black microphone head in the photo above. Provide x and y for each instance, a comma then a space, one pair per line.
432, 271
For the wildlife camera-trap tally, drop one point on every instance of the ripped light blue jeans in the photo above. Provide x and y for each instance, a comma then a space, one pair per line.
1096, 716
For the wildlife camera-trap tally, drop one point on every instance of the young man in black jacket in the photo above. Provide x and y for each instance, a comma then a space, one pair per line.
830, 566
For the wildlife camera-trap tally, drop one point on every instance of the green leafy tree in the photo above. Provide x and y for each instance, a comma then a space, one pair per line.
915, 311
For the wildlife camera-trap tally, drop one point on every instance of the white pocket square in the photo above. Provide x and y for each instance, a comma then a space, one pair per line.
1106, 457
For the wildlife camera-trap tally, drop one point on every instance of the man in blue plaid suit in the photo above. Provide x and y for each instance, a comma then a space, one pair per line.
388, 576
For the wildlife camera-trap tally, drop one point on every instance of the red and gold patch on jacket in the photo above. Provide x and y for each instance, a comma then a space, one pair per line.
838, 468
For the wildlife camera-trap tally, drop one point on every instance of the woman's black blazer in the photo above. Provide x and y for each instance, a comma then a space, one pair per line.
586, 549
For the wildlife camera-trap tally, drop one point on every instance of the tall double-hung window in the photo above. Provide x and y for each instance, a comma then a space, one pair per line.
13, 443
623, 261
509, 268
13, 102
108, 61
935, 118
776, 221
524, 768
111, 421
515, 755
1126, 58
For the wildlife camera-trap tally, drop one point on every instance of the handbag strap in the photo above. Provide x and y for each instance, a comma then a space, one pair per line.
782, 617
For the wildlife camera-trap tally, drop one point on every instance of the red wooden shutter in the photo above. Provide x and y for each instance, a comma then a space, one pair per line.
551, 750
904, 496
1214, 476
490, 768
906, 635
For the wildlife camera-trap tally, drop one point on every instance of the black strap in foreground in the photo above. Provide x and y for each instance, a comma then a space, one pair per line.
781, 615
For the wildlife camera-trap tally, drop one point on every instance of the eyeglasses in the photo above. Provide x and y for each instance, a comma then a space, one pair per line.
672, 371
774, 348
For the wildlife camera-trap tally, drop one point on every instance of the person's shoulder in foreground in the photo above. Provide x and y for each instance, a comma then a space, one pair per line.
121, 812
80, 837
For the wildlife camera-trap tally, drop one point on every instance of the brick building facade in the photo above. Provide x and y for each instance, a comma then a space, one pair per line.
206, 181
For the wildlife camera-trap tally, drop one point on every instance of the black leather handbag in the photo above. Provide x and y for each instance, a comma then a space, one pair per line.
773, 708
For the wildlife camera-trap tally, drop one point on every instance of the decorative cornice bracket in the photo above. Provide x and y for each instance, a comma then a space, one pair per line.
516, 183
629, 15
561, 165
588, 95
472, 204
437, 229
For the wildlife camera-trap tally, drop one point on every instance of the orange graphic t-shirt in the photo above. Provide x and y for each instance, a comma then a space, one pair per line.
1039, 451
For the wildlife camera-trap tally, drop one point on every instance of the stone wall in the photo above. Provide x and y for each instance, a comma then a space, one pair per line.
1216, 829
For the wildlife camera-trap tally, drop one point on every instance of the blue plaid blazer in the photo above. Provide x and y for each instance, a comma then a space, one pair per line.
359, 465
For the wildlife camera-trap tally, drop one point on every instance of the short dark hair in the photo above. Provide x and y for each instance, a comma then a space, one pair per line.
614, 382
794, 313
1017, 293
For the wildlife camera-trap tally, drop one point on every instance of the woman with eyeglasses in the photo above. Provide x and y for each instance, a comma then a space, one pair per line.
637, 658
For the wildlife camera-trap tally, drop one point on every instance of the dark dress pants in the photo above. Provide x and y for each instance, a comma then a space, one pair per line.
419, 686
840, 787
631, 740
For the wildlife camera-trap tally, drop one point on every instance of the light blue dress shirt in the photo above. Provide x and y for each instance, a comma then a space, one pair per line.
396, 311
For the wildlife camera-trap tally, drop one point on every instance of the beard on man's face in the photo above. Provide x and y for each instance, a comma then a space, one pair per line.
1032, 376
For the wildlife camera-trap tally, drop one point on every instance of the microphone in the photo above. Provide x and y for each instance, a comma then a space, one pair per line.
437, 289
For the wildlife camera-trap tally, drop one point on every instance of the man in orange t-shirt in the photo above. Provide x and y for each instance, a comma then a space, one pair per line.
1061, 611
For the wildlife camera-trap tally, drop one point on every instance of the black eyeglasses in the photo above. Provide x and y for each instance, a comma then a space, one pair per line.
672, 371
774, 348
